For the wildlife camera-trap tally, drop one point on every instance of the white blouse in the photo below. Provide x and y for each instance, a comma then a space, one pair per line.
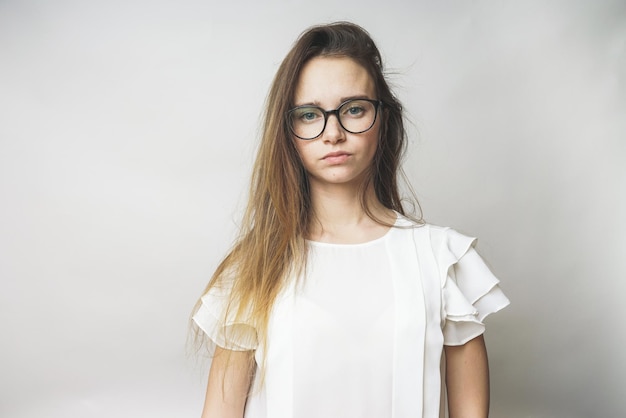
362, 333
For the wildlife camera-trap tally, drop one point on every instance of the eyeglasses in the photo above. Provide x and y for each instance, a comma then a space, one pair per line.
355, 116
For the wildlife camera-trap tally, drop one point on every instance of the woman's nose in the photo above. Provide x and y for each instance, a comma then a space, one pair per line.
334, 132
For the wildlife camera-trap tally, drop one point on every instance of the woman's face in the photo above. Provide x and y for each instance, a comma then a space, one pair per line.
336, 156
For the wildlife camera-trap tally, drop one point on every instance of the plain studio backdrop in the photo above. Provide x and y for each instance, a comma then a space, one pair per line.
127, 133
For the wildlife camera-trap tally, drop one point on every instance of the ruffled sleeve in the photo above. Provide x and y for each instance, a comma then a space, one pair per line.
220, 324
470, 291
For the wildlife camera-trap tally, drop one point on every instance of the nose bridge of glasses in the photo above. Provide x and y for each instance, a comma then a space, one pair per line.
335, 112
339, 126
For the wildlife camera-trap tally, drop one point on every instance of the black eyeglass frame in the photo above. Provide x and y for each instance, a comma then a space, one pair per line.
378, 104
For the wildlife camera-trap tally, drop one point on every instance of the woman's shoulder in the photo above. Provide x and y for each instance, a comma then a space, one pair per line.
437, 235
407, 221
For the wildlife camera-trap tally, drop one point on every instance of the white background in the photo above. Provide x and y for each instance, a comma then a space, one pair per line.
127, 131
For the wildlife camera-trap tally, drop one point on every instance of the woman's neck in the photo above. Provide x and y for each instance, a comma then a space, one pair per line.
339, 216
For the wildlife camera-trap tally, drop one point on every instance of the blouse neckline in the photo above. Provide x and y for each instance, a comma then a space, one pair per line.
359, 244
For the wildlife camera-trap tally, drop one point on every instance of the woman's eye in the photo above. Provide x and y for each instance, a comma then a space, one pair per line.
308, 115
354, 110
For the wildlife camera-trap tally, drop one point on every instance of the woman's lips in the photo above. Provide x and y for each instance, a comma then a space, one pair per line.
337, 157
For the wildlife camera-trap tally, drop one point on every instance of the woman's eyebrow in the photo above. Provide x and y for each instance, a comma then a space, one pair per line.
314, 103
344, 99
358, 96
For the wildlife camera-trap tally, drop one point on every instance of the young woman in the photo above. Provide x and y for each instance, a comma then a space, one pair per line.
333, 302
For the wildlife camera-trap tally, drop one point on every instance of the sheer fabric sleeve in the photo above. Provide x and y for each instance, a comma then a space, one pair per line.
217, 320
470, 291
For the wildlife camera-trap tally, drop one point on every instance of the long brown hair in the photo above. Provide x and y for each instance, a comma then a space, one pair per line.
271, 248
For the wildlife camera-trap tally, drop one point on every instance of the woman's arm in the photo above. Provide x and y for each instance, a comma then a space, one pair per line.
229, 382
467, 379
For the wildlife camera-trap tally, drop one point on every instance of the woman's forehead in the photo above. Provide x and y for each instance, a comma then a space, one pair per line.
328, 81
